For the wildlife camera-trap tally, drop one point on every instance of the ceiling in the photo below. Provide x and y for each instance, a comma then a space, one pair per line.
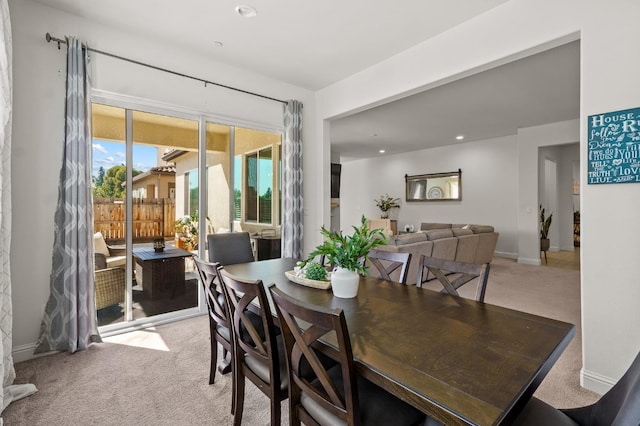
539, 89
313, 44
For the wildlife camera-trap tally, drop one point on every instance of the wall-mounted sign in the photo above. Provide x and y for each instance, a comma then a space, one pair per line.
614, 147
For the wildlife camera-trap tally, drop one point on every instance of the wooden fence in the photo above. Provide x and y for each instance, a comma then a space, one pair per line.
152, 218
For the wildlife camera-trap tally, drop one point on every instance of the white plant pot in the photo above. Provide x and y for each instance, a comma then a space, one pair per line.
344, 283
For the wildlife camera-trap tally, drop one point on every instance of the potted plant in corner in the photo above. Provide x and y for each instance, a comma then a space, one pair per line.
347, 253
545, 224
386, 203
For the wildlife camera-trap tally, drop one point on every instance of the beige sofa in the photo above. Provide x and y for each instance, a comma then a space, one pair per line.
460, 242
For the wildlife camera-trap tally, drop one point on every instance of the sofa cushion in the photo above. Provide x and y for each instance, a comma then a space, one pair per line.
479, 229
114, 261
413, 237
99, 244
467, 248
437, 234
459, 232
426, 226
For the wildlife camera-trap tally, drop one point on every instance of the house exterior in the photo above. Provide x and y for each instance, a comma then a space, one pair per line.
608, 34
157, 182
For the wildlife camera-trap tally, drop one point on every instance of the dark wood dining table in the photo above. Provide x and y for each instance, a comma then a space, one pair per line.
457, 360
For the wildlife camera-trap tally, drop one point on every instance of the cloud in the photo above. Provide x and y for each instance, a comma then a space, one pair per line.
100, 148
107, 160
120, 154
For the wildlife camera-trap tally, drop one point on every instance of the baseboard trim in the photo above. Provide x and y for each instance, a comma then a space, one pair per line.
26, 352
529, 261
596, 382
506, 254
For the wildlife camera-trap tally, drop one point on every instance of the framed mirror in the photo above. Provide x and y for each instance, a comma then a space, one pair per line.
434, 187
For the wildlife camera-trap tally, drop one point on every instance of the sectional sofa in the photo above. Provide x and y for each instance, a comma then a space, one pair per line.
460, 242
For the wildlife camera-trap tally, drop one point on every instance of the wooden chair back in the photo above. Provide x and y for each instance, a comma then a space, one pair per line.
461, 273
301, 345
219, 323
387, 262
255, 347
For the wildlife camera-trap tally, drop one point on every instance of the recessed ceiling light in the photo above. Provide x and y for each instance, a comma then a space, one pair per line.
459, 137
246, 11
382, 151
218, 43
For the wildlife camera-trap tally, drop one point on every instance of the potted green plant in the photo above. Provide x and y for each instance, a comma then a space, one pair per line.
545, 224
347, 253
386, 203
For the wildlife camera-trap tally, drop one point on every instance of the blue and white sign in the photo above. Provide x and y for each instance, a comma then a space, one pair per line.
614, 147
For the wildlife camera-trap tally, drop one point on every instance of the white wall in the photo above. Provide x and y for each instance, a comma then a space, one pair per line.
608, 82
38, 126
489, 188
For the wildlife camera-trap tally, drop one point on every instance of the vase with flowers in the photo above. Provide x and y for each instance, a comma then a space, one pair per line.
386, 203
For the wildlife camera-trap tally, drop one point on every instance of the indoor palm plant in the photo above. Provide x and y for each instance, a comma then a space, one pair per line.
386, 203
347, 253
545, 224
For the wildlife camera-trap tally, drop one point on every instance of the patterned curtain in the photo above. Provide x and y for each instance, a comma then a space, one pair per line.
292, 181
69, 321
10, 392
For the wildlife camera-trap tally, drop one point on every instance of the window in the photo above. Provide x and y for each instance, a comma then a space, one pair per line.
259, 186
237, 187
191, 192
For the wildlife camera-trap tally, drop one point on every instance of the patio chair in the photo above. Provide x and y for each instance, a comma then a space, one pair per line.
110, 285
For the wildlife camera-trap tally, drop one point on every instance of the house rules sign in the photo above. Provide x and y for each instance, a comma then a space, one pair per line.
614, 147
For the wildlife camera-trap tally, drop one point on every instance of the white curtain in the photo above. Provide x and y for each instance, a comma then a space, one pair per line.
69, 321
292, 205
10, 392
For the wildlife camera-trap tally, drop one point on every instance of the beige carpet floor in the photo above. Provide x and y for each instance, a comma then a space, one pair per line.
160, 376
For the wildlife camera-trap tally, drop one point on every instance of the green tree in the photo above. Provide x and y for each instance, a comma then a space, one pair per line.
112, 185
97, 180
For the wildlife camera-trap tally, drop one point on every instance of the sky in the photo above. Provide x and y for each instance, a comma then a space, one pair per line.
108, 154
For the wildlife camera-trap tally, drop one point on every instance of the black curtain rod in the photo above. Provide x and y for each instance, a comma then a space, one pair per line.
50, 38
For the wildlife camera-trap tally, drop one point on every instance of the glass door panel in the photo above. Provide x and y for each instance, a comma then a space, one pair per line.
109, 213
163, 167
165, 208
218, 178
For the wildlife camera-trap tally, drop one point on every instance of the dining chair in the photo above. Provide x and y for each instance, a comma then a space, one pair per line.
387, 262
461, 272
230, 248
336, 394
256, 355
620, 406
219, 324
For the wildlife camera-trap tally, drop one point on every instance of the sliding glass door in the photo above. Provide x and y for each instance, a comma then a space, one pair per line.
168, 179
145, 199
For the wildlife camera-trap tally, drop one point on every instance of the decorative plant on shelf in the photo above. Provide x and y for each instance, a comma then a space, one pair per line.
545, 224
386, 203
